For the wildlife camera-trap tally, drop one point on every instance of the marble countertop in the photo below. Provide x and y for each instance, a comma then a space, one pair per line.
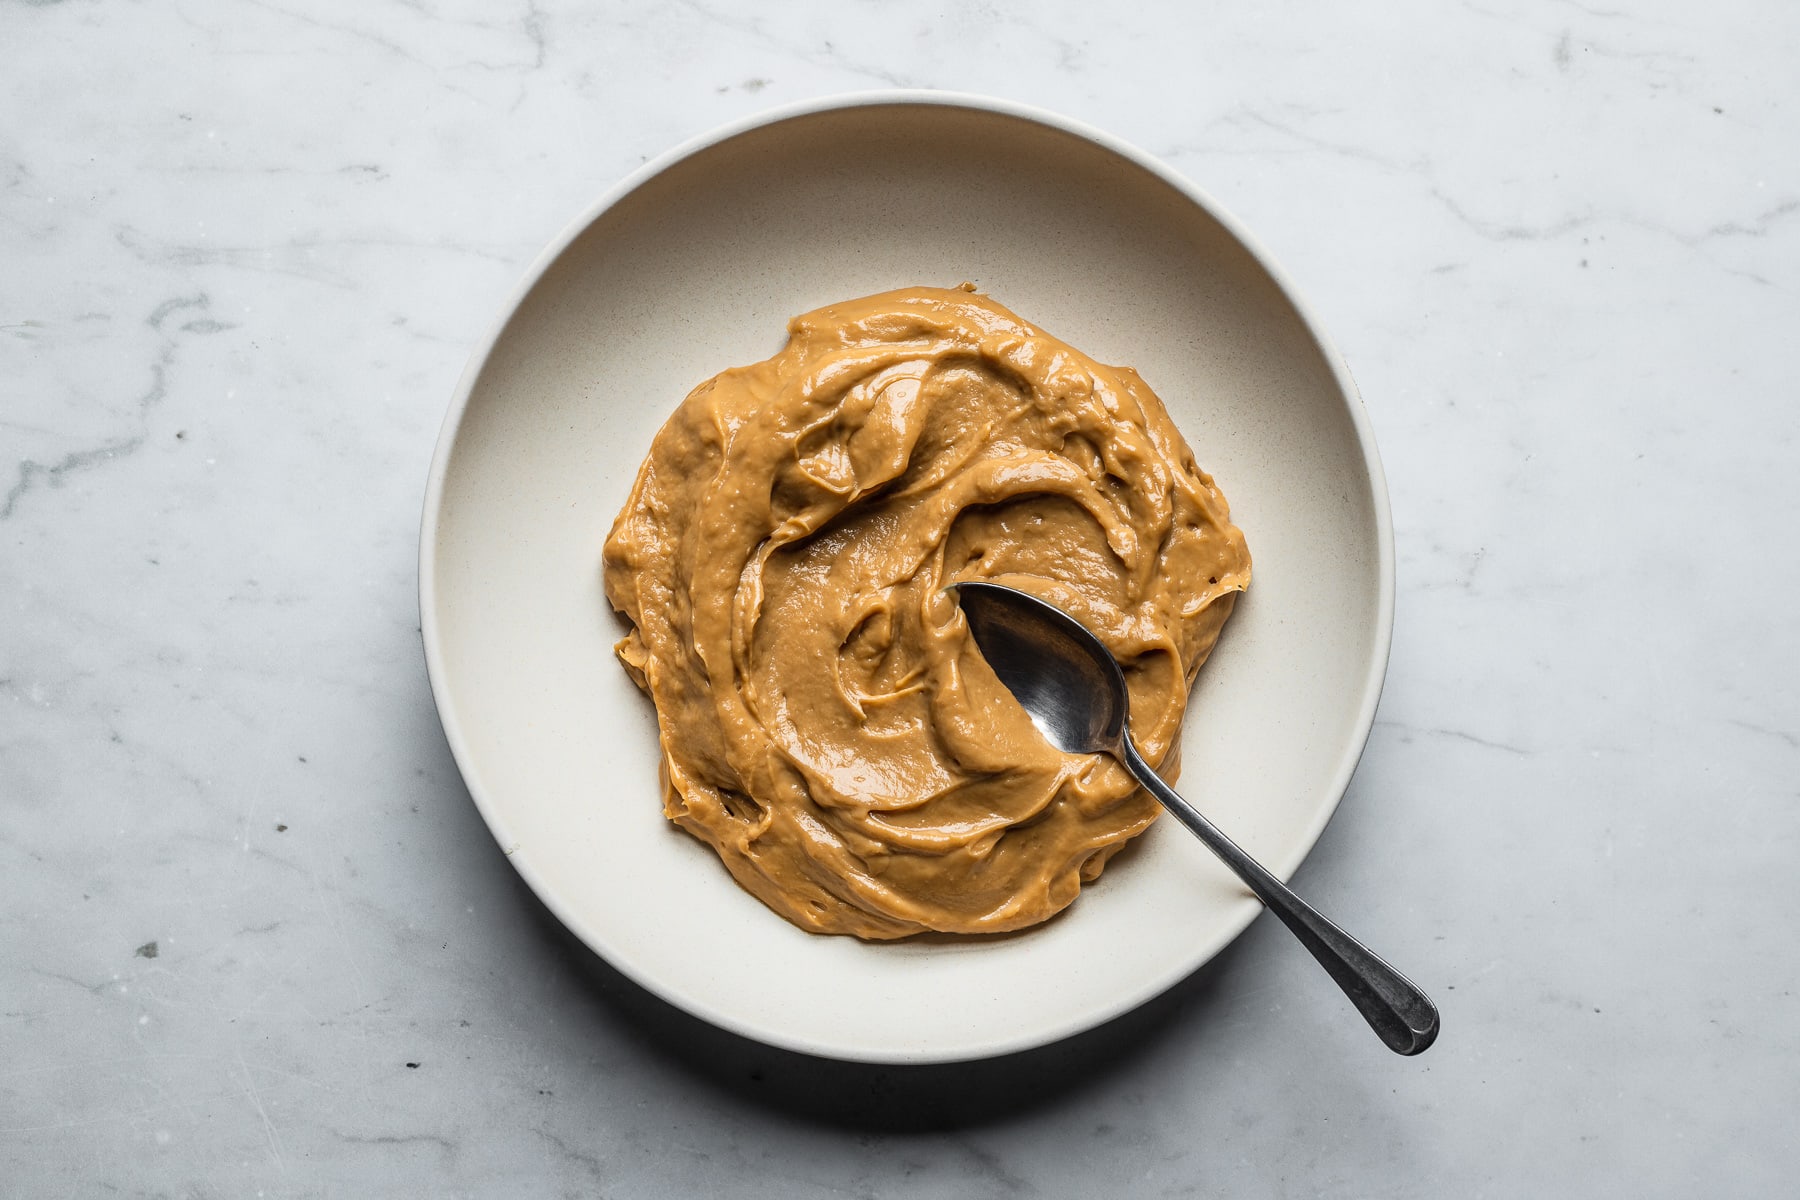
254, 939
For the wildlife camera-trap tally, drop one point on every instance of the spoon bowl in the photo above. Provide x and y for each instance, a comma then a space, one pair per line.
1071, 686
1062, 675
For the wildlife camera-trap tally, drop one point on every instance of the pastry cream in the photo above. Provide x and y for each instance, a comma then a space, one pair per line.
827, 723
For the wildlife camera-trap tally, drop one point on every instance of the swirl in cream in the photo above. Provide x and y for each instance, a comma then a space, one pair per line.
827, 725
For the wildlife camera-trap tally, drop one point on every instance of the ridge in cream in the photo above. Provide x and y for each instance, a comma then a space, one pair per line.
826, 722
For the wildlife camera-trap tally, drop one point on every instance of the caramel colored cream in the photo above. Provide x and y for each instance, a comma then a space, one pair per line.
827, 723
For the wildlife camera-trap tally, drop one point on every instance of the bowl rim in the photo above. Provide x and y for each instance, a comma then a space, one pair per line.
451, 427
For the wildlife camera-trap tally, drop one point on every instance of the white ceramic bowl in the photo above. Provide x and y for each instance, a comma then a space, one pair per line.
695, 264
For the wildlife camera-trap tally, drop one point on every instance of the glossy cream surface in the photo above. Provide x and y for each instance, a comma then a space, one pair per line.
826, 722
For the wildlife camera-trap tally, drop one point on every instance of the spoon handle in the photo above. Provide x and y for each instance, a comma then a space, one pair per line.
1399, 1013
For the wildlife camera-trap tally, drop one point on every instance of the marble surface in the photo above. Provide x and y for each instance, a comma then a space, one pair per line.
254, 939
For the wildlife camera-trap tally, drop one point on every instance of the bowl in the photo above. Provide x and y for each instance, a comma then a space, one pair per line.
694, 264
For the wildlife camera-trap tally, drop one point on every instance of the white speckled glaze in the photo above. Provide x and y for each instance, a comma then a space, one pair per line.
693, 265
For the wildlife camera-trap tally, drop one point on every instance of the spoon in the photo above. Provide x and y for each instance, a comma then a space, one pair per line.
1071, 687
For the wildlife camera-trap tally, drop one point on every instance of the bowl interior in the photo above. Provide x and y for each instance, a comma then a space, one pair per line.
698, 268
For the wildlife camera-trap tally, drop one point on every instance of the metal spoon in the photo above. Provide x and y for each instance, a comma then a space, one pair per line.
1071, 687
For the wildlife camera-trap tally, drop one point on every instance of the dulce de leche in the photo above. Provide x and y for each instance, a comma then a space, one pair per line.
827, 724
